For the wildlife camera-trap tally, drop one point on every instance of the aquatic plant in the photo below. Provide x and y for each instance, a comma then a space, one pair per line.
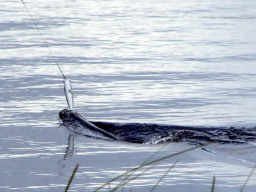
247, 179
213, 183
147, 163
71, 178
132, 174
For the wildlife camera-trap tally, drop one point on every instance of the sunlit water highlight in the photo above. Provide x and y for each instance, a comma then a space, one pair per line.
167, 61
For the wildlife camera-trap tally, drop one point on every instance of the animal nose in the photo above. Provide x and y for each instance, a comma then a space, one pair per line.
63, 114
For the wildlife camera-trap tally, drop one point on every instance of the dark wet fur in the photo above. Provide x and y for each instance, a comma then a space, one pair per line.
140, 133
155, 133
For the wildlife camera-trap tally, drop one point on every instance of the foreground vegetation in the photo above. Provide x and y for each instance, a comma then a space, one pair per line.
132, 174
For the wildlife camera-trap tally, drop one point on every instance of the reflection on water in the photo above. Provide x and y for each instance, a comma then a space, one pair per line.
165, 62
70, 147
195, 166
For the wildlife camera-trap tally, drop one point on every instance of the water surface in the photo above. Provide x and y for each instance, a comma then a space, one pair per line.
165, 62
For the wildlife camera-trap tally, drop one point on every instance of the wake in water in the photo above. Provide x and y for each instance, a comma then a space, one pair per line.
153, 133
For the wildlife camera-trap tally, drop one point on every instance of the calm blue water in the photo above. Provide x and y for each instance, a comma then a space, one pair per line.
166, 61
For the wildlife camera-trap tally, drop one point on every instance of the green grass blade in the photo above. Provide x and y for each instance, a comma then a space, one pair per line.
71, 178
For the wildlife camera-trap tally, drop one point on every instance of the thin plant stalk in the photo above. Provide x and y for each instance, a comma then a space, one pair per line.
246, 181
213, 183
164, 175
152, 162
147, 160
125, 182
71, 178
154, 154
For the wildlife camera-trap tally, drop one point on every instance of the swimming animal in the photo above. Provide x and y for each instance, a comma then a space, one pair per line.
78, 121
154, 133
